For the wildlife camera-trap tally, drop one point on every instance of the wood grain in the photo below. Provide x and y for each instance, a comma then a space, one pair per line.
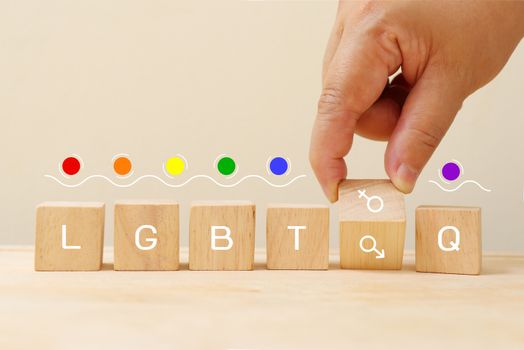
260, 309
162, 219
360, 224
84, 230
239, 217
389, 236
313, 238
353, 208
430, 258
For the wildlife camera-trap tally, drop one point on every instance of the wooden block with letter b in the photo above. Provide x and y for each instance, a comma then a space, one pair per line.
297, 237
146, 236
448, 240
372, 225
69, 236
222, 235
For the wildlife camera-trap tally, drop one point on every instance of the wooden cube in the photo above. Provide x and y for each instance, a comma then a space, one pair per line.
372, 225
297, 237
146, 236
448, 240
222, 235
69, 236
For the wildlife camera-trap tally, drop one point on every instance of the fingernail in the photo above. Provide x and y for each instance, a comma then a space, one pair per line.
331, 195
405, 178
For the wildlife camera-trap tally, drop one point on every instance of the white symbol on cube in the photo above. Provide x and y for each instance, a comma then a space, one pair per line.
64, 240
380, 254
378, 199
226, 237
152, 241
454, 244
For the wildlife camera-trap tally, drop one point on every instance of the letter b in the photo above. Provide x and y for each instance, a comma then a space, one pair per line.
226, 236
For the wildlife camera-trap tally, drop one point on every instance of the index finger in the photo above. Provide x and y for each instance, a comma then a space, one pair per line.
354, 81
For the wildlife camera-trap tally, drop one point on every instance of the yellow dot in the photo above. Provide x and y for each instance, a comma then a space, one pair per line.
175, 166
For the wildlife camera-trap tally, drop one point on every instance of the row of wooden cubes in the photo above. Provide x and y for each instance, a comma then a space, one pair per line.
69, 236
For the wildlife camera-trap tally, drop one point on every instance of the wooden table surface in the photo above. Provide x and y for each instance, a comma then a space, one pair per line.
261, 309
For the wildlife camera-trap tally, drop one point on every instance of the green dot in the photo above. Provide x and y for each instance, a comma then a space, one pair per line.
226, 166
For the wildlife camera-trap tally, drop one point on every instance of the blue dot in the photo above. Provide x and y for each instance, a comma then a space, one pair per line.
278, 166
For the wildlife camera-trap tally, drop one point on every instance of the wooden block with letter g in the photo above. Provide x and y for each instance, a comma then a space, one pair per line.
372, 225
448, 240
146, 236
297, 237
69, 236
222, 235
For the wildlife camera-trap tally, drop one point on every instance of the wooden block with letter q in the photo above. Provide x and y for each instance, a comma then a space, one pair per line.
297, 237
222, 235
372, 225
146, 236
448, 240
69, 236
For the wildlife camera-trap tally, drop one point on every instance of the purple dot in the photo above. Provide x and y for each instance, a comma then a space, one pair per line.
451, 171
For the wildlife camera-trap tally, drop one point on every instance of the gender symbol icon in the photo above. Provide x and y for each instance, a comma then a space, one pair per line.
376, 208
380, 254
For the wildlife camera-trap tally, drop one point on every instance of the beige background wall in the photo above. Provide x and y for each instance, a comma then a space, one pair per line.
201, 78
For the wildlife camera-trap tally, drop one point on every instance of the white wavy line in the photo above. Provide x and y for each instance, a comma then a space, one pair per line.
459, 186
175, 185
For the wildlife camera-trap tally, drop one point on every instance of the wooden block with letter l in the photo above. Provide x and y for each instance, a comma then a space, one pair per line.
372, 225
69, 236
222, 235
297, 237
448, 240
146, 236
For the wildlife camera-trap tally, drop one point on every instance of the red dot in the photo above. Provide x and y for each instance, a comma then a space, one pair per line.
71, 166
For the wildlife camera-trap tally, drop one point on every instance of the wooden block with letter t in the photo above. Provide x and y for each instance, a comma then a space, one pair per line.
448, 240
222, 235
297, 237
146, 236
372, 225
69, 236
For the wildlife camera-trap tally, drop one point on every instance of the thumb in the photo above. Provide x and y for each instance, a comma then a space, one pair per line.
426, 116
354, 80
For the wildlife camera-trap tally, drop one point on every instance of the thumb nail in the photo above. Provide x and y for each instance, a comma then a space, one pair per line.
405, 178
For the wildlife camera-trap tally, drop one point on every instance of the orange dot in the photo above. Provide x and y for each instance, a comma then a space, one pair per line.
122, 165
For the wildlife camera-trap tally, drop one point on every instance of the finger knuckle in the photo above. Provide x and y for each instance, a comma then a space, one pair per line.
384, 34
331, 102
429, 137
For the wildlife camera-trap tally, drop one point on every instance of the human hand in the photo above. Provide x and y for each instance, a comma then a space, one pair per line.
446, 50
